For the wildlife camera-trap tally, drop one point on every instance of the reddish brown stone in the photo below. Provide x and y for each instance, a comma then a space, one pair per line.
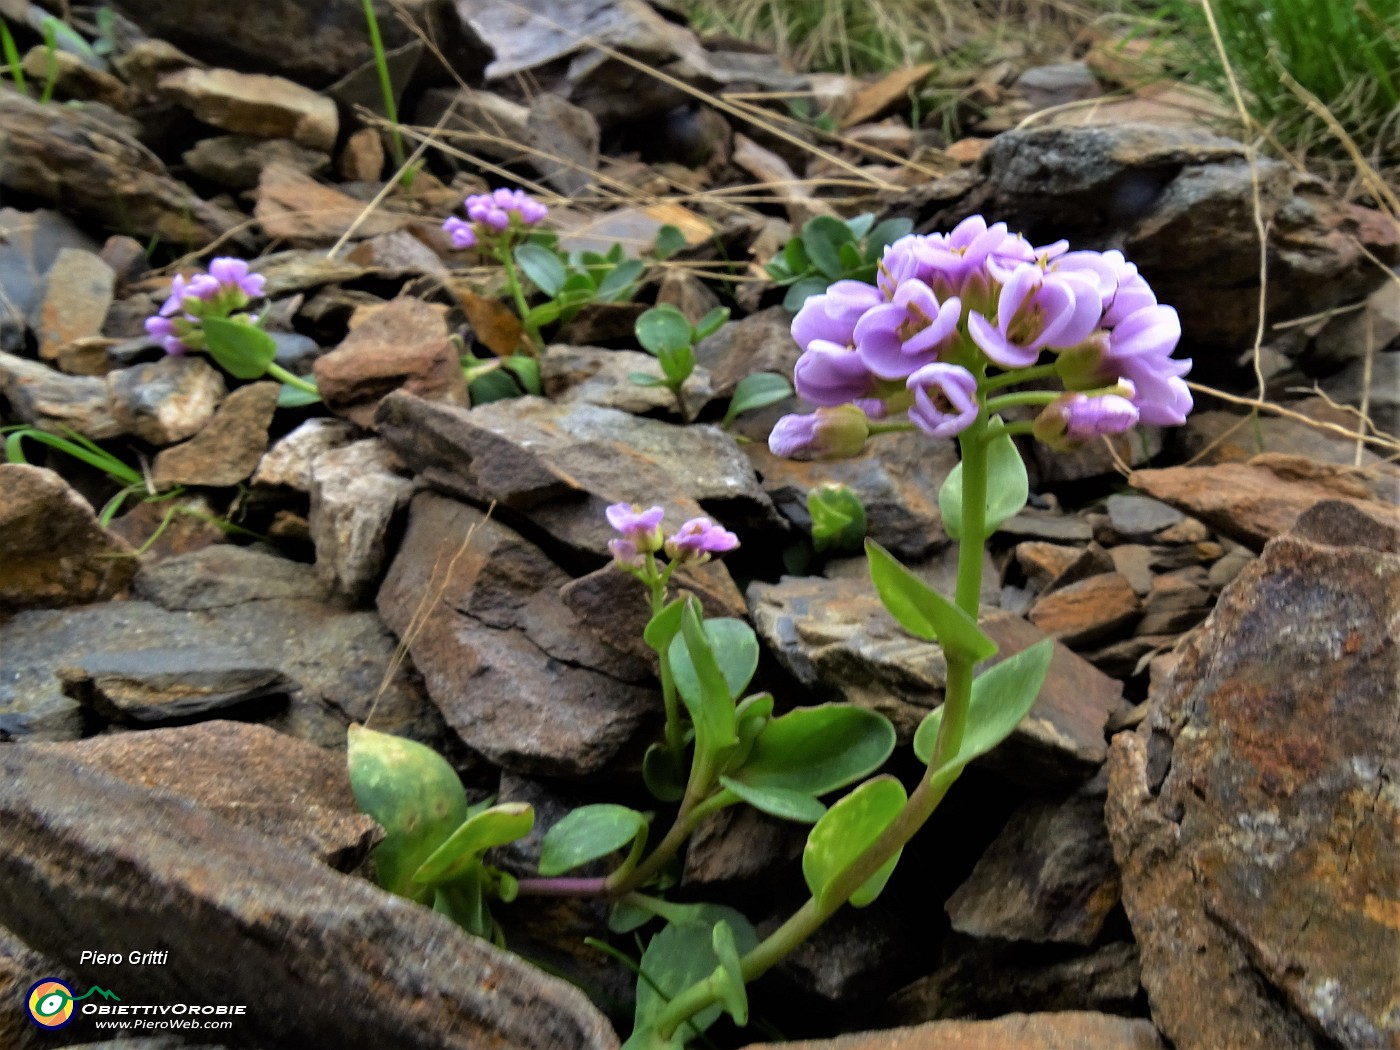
403, 345
294, 207
229, 447
1088, 611
1068, 1030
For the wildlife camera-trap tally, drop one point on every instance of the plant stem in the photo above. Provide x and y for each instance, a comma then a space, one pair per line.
892, 427
386, 86
563, 887
277, 372
931, 788
517, 294
1020, 375
1022, 397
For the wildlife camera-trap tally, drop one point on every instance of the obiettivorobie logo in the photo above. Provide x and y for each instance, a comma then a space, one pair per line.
50, 1002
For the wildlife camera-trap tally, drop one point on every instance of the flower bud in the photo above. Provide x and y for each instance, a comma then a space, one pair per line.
834, 433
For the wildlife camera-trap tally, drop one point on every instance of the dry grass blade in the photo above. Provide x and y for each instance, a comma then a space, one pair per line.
1386, 442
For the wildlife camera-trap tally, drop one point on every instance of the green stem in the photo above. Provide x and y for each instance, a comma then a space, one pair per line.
691, 812
891, 427
932, 787
517, 293
279, 373
1020, 375
386, 85
1022, 397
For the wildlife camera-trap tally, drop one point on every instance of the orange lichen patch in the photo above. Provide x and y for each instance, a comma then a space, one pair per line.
1384, 910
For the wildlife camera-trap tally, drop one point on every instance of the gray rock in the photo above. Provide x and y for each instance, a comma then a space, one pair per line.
564, 463
51, 400
236, 161
1048, 877
761, 342
1138, 518
566, 140
1148, 190
740, 848
1094, 459
225, 575
53, 552
251, 776
1249, 812
1382, 394
1344, 338
1047, 86
227, 449
1034, 524
77, 294
29, 243
853, 953
603, 378
357, 492
506, 661
288, 461
317, 956
165, 401
154, 686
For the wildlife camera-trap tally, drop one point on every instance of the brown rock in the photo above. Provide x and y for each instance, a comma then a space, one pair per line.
288, 461
189, 528
255, 104
228, 448
51, 400
74, 79
1088, 611
52, 550
357, 492
1042, 562
397, 252
90, 161
506, 661
1255, 501
20, 965
252, 776
890, 90
1052, 1031
325, 957
165, 401
77, 294
295, 208
237, 161
1177, 602
604, 378
362, 156
1252, 815
403, 345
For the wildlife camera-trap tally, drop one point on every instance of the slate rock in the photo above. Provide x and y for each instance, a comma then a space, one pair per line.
1212, 437
896, 476
288, 462
53, 552
1179, 203
1176, 602
604, 378
566, 138
236, 162
853, 953
739, 848
506, 661
1048, 876
294, 207
1091, 610
31, 241
403, 345
1137, 518
155, 686
49, 399
357, 493
89, 161
251, 776
1253, 502
268, 107
227, 449
1032, 523
227, 575
836, 639
1069, 1030
325, 957
167, 400
565, 463
1251, 813
1381, 391
77, 293
761, 342
1093, 459
20, 966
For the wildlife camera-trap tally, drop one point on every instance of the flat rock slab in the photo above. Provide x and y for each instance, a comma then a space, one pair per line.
50, 399
228, 448
1254, 813
53, 552
508, 663
835, 638
564, 463
252, 776
1053, 1031
319, 958
1256, 501
256, 104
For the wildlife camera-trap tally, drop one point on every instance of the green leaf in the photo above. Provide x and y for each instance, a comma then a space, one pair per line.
735, 650
860, 225
843, 834
664, 773
704, 682
617, 283
756, 391
677, 365
642, 379
885, 234
795, 257
545, 313
803, 290
295, 397
814, 750
711, 323
822, 238
242, 350
493, 827
664, 626
412, 793
663, 328
669, 240
1008, 488
728, 978
851, 259
588, 833
753, 713
783, 803
838, 518
496, 385
545, 269
464, 902
1002, 695
922, 611
526, 370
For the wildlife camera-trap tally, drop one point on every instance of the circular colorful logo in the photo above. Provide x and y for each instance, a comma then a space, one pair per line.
50, 1003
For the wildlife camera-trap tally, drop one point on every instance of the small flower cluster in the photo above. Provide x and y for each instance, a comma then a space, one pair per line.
693, 543
491, 213
227, 287
946, 308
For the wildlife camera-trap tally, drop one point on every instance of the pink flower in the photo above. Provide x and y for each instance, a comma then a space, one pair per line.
640, 528
945, 399
699, 538
462, 234
914, 329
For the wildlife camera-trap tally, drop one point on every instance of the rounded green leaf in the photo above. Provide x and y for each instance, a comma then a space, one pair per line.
682, 954
588, 833
728, 978
664, 773
814, 750
843, 834
492, 827
735, 648
822, 238
783, 803
921, 610
1008, 487
756, 391
242, 350
838, 518
414, 795
711, 323
801, 291
663, 328
545, 269
669, 240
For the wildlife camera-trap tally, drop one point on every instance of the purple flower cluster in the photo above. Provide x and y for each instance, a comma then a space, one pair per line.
493, 212
227, 286
694, 542
946, 307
